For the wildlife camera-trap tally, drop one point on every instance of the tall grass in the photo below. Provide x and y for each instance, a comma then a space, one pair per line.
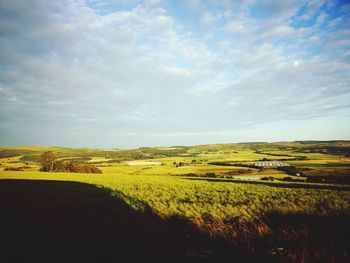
253, 216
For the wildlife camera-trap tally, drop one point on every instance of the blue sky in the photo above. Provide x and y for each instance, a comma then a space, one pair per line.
129, 73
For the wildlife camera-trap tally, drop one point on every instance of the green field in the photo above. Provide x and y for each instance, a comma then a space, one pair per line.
295, 218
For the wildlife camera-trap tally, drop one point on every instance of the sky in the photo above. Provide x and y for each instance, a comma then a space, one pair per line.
130, 73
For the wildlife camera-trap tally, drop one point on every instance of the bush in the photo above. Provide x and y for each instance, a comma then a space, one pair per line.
334, 179
270, 178
290, 170
287, 179
191, 174
13, 169
211, 175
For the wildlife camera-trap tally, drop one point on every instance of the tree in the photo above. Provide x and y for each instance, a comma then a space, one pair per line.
49, 163
48, 160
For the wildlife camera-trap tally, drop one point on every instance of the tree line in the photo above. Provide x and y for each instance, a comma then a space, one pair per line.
49, 163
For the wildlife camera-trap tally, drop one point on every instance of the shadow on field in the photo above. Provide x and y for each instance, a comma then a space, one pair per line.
54, 221
298, 237
277, 184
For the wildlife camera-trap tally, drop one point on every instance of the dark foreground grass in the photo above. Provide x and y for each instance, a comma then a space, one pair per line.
54, 221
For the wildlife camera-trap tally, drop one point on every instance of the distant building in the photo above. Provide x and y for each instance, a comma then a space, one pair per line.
271, 164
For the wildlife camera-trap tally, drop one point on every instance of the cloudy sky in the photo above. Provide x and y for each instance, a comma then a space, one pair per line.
128, 73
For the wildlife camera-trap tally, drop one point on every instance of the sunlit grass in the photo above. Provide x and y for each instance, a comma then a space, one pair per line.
196, 199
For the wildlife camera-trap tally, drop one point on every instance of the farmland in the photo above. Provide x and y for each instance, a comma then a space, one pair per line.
297, 214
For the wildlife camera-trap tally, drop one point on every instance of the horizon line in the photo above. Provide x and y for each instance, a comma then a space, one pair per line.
170, 146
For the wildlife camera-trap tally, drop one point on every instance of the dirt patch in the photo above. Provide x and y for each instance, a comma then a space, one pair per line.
143, 163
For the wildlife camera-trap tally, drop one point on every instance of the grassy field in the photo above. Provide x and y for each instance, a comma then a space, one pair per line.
58, 221
283, 220
241, 213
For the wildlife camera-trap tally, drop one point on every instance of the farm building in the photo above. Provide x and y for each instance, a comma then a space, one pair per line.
271, 164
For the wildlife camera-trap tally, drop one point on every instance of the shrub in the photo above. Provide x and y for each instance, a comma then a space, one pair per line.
269, 178
211, 175
13, 169
287, 179
290, 170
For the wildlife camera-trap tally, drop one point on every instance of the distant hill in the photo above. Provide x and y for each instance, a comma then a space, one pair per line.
32, 153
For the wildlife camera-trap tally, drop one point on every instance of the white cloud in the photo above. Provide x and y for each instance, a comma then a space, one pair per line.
313, 39
139, 69
209, 18
313, 6
236, 26
279, 31
338, 43
321, 18
152, 2
175, 71
13, 99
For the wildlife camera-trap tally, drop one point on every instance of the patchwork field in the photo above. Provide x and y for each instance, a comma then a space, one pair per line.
297, 213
